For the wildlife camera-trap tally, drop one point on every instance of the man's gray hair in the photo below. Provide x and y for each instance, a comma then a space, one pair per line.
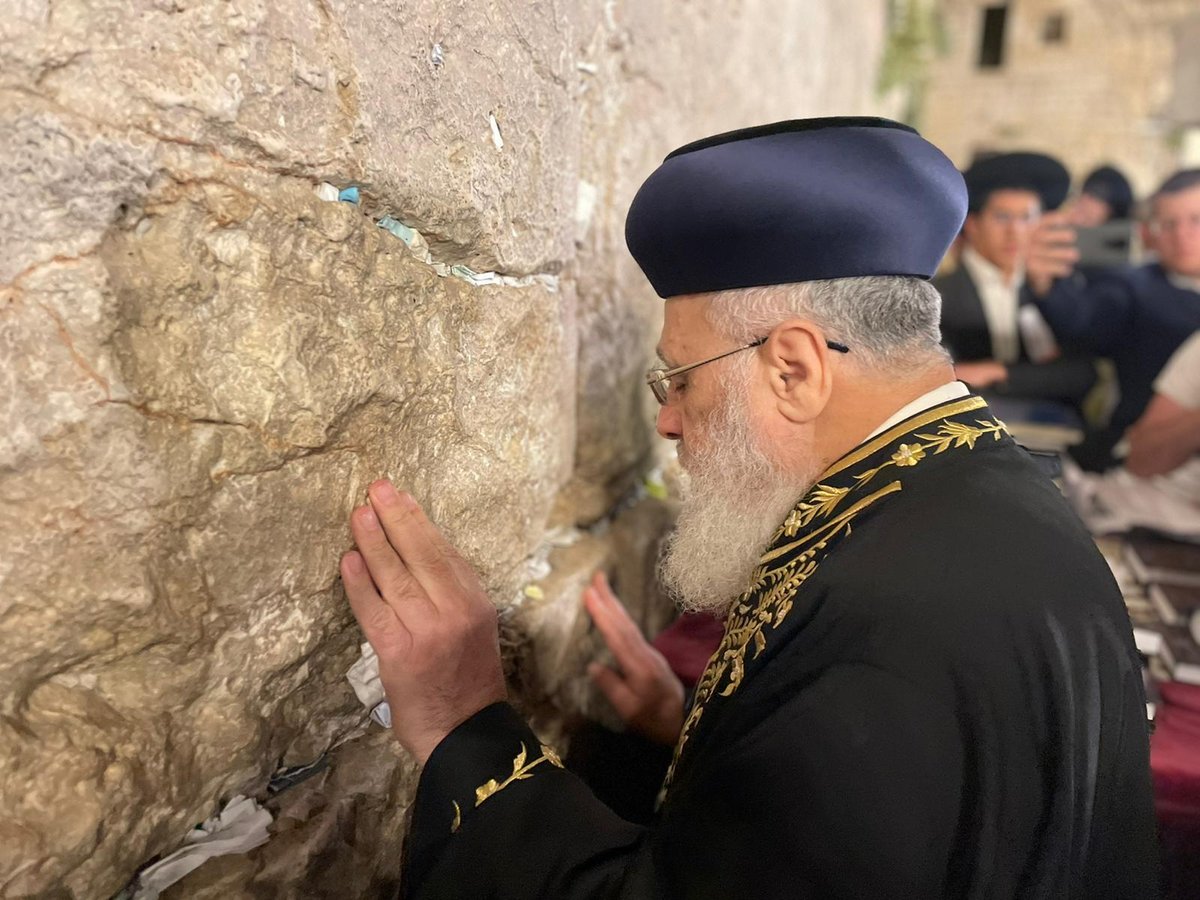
889, 322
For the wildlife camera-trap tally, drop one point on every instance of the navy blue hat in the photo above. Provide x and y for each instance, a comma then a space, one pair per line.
1037, 172
1107, 183
802, 200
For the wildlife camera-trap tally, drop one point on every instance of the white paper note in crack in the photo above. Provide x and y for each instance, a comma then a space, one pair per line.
241, 826
364, 678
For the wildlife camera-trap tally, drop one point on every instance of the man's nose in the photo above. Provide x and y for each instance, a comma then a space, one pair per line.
669, 423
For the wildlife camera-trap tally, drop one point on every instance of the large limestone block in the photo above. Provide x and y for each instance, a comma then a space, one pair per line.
259, 82
327, 834
172, 627
433, 76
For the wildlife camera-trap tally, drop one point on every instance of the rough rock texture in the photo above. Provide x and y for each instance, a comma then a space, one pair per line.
203, 364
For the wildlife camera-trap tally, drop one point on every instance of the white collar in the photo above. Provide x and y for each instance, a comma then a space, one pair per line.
951, 390
984, 270
1184, 281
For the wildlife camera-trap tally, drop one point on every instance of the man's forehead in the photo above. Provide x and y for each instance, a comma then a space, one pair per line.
1010, 198
1187, 199
685, 323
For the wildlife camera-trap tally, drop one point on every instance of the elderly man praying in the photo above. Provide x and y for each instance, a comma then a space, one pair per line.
927, 685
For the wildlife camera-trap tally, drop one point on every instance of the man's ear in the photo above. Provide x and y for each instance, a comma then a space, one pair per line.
799, 369
1146, 234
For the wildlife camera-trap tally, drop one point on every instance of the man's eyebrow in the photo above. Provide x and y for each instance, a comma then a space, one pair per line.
662, 357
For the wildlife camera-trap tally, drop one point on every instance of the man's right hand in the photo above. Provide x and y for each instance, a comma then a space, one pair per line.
1052, 253
643, 690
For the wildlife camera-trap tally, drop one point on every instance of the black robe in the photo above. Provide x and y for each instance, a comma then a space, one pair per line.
930, 690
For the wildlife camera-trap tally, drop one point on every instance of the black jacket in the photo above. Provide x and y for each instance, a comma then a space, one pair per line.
965, 334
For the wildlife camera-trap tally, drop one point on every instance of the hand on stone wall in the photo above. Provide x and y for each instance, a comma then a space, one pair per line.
427, 616
643, 689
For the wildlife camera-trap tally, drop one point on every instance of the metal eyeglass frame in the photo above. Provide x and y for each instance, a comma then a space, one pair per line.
659, 380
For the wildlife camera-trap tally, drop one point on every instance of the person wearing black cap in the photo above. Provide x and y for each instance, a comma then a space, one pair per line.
926, 686
1104, 196
999, 343
1137, 317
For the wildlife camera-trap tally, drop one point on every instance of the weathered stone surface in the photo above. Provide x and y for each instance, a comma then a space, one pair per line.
326, 833
202, 366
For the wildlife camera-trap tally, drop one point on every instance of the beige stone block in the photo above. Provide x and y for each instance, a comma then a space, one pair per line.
202, 366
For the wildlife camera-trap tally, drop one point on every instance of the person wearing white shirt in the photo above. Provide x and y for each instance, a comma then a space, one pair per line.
999, 343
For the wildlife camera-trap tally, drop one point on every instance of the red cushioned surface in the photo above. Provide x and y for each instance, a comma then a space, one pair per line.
688, 642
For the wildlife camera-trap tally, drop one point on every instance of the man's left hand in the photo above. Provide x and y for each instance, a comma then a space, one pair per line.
643, 690
424, 611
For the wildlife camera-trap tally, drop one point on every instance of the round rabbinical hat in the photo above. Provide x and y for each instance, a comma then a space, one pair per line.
802, 200
1107, 183
1037, 172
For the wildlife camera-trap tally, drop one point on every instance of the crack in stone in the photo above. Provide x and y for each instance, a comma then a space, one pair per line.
68, 342
226, 474
418, 245
271, 441
57, 259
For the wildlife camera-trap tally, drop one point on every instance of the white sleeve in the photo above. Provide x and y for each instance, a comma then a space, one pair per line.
1180, 377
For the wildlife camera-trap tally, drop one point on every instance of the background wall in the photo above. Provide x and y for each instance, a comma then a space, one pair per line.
1118, 85
203, 364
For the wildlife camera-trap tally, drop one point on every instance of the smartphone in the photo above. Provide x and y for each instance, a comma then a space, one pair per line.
1107, 246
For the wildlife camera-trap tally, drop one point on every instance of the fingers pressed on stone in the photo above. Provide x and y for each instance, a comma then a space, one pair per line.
395, 583
419, 542
378, 621
621, 636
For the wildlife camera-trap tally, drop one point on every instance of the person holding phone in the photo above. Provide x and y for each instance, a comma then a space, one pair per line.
999, 340
1137, 317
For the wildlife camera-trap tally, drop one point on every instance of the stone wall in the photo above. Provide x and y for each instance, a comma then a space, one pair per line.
1113, 90
203, 363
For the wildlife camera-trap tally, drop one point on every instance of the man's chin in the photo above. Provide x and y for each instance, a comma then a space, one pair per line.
709, 560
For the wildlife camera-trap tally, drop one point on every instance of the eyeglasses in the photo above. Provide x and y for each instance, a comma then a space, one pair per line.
1009, 218
1173, 225
662, 381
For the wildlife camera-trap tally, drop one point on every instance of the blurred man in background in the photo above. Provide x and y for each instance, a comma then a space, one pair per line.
998, 339
1105, 196
1135, 317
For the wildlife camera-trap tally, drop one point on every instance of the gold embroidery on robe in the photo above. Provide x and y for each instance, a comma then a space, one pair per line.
521, 771
784, 568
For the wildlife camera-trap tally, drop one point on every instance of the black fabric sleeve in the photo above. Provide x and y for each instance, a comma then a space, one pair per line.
539, 833
1090, 317
846, 788
1065, 380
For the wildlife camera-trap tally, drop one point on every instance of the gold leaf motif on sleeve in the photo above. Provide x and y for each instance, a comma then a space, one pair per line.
521, 770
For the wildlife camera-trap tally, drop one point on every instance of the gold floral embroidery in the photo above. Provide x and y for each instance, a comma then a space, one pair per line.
769, 597
457, 823
820, 501
746, 622
949, 434
521, 771
908, 455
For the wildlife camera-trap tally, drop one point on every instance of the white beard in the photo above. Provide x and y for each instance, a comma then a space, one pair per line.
734, 499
